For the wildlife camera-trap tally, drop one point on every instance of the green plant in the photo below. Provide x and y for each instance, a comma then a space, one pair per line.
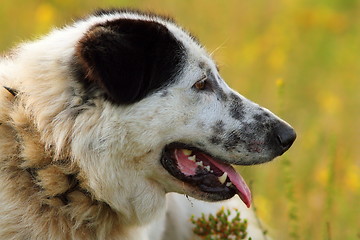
221, 226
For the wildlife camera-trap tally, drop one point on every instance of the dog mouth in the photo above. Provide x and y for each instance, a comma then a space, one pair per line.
217, 179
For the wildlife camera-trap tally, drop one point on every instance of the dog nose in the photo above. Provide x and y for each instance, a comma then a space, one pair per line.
286, 135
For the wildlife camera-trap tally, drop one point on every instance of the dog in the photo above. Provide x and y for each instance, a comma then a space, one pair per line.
104, 121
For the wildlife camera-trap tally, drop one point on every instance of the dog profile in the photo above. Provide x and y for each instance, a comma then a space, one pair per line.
102, 122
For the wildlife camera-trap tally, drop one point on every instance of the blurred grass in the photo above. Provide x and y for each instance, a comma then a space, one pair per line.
310, 47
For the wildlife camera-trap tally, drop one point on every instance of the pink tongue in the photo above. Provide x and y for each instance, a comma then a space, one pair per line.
243, 190
189, 167
186, 166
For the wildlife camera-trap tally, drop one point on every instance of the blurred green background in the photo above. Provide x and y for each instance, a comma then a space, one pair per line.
299, 58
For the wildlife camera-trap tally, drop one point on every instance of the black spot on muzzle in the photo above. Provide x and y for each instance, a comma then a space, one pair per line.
236, 107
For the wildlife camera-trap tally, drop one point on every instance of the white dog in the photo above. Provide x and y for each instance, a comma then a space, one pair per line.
101, 119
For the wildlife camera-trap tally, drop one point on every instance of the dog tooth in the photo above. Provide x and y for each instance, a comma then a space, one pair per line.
192, 158
228, 184
200, 164
186, 152
207, 168
222, 178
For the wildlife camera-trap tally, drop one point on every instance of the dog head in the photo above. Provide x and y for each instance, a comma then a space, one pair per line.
179, 107
142, 110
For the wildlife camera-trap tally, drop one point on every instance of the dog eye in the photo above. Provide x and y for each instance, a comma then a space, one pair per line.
201, 84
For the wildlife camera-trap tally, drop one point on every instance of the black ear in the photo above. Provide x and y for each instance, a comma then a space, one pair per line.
129, 58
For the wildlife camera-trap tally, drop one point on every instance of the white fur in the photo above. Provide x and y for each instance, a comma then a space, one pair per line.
117, 148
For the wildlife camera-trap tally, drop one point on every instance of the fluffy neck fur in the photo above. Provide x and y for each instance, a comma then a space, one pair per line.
39, 189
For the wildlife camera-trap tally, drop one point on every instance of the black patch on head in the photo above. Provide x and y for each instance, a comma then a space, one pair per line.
110, 11
236, 107
129, 59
